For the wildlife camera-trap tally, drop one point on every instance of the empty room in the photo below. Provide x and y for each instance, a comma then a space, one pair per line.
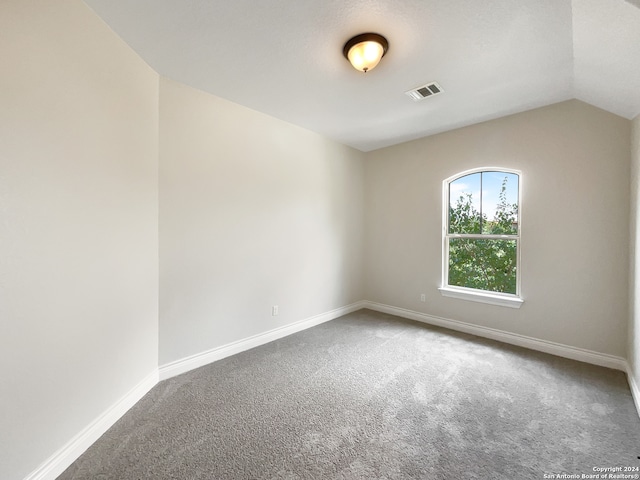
298, 239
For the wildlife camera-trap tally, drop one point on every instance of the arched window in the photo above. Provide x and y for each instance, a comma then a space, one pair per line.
481, 236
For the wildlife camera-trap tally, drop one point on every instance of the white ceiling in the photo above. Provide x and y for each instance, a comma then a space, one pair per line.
491, 57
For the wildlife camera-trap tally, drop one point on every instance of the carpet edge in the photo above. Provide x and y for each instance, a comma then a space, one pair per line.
635, 391
553, 348
69, 453
201, 359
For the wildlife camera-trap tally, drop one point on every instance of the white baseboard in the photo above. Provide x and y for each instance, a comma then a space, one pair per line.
633, 385
561, 350
65, 456
204, 358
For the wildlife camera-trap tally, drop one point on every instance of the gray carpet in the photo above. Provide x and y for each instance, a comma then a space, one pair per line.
372, 396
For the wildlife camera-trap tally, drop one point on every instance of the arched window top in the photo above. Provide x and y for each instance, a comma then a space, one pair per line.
483, 201
481, 235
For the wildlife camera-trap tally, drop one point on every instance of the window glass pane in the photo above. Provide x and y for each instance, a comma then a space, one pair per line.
464, 204
500, 203
483, 264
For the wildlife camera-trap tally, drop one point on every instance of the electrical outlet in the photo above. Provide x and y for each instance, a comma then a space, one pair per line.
423, 297
274, 310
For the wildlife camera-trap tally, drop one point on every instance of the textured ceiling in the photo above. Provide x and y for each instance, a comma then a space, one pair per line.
492, 58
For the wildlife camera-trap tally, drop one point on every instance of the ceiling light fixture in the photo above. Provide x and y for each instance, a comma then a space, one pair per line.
364, 51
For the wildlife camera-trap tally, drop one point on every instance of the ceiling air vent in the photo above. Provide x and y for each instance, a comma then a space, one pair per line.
428, 90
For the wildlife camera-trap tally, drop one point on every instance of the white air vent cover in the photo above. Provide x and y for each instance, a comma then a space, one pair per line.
428, 90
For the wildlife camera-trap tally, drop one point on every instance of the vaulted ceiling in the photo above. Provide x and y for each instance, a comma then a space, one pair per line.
491, 57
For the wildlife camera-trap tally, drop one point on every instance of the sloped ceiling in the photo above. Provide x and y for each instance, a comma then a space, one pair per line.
491, 57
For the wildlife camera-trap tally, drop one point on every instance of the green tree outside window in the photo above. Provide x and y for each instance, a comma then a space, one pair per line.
483, 231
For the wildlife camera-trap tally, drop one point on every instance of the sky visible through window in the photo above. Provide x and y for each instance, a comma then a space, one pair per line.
491, 186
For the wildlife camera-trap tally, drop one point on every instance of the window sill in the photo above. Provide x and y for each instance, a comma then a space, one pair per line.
510, 301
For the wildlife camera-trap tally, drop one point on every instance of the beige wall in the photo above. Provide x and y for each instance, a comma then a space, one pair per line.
634, 317
574, 160
78, 225
254, 212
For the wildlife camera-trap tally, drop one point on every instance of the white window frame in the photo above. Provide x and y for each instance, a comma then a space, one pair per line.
473, 294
